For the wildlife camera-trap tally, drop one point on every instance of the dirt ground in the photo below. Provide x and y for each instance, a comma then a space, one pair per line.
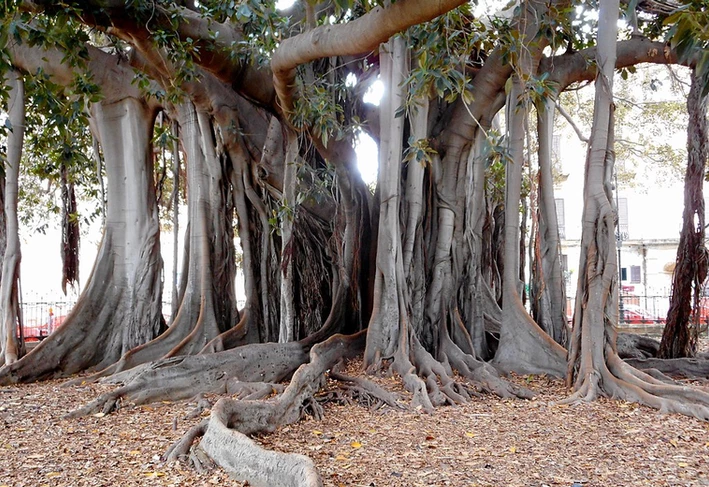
486, 442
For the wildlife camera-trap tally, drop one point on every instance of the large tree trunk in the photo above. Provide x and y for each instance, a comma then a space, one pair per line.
207, 301
679, 338
548, 286
12, 344
524, 347
392, 335
594, 366
120, 307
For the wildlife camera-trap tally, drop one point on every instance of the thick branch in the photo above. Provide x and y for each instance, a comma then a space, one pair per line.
580, 66
358, 36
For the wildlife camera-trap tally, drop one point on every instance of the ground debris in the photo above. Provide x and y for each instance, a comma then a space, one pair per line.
485, 442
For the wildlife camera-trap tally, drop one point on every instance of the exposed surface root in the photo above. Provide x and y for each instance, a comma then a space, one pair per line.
181, 449
253, 391
618, 379
484, 376
225, 433
203, 404
431, 380
524, 347
630, 345
361, 391
675, 367
185, 377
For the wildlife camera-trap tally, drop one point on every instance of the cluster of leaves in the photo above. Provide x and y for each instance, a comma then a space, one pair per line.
262, 25
318, 109
689, 36
420, 152
57, 137
496, 155
444, 48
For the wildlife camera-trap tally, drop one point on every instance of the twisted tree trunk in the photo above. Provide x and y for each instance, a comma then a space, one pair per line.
594, 367
679, 338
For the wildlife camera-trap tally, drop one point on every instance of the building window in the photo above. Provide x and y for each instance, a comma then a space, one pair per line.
560, 217
635, 274
623, 274
564, 263
623, 218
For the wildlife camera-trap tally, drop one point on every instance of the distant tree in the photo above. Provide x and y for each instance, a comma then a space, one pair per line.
679, 338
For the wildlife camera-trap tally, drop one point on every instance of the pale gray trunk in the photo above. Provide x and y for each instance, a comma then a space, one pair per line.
524, 347
385, 329
12, 344
120, 307
288, 202
175, 213
552, 296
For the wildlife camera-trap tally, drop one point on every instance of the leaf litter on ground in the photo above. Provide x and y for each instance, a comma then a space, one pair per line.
485, 442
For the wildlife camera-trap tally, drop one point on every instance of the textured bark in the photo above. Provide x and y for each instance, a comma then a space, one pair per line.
594, 365
523, 347
287, 325
12, 345
392, 335
207, 303
120, 307
184, 377
679, 338
548, 286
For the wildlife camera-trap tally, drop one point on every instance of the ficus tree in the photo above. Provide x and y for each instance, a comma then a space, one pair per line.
421, 278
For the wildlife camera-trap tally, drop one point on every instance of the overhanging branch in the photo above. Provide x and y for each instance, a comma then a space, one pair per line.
360, 35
